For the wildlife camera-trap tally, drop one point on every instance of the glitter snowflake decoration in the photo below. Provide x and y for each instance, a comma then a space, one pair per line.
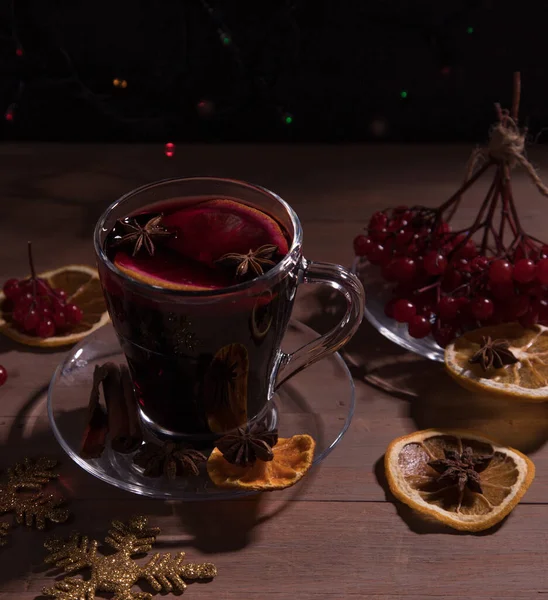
117, 573
16, 495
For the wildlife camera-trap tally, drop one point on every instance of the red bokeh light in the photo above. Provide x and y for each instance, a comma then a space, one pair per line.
19, 52
169, 149
205, 108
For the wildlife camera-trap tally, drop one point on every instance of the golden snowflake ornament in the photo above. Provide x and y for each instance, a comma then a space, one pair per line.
16, 495
117, 573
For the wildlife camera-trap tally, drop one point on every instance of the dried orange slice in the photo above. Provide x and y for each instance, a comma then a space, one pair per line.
292, 458
82, 286
527, 379
463, 479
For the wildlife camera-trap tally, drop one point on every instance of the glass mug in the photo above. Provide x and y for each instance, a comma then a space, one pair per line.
206, 362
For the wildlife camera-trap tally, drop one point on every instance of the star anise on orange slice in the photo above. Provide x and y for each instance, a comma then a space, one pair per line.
142, 236
461, 469
253, 263
248, 444
514, 365
493, 354
292, 457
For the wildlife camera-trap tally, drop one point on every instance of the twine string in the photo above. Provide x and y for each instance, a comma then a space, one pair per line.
506, 146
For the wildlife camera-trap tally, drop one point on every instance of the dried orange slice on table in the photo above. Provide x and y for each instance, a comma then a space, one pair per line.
292, 458
506, 360
460, 478
82, 286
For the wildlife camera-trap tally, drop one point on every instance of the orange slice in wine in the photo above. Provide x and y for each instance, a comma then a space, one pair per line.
167, 270
210, 229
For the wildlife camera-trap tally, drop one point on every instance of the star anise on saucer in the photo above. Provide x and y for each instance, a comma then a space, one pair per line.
248, 444
493, 354
461, 469
142, 236
251, 263
169, 459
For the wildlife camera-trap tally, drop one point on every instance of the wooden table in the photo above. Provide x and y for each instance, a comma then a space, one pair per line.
339, 534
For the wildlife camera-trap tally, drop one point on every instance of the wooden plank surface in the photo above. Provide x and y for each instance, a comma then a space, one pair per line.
338, 534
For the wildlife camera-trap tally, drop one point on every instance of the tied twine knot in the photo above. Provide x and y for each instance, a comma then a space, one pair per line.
507, 147
507, 144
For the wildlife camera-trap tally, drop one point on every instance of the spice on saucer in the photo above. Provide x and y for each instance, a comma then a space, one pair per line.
168, 459
248, 444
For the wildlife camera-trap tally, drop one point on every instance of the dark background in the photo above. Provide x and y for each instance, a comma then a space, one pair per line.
268, 70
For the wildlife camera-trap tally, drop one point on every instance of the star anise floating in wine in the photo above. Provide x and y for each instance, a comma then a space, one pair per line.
493, 354
462, 470
254, 262
248, 444
169, 459
142, 236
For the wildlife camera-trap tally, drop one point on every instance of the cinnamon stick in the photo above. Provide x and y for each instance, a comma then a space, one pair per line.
95, 433
122, 439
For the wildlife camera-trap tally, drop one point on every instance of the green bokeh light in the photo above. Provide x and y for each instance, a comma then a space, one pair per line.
469, 30
288, 119
403, 94
226, 39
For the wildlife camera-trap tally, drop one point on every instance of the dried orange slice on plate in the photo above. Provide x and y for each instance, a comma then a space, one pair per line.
461, 478
81, 283
292, 458
525, 379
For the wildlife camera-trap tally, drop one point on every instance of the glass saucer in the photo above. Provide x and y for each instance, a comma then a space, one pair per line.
378, 292
318, 401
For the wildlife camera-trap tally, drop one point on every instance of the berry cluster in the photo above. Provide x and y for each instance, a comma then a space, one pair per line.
445, 283
36, 308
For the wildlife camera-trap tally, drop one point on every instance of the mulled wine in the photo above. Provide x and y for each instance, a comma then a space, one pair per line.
201, 352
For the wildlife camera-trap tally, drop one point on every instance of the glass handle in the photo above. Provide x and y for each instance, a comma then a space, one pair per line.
351, 288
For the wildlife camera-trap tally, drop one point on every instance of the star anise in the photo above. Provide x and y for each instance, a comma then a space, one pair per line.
248, 444
493, 354
142, 236
461, 469
169, 459
251, 263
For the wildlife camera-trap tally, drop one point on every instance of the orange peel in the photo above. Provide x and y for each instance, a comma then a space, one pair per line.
292, 458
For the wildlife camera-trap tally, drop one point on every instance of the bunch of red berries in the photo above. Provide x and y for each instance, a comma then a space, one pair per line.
36, 308
446, 283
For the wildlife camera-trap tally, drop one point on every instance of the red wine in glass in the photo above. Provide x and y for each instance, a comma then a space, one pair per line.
203, 366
